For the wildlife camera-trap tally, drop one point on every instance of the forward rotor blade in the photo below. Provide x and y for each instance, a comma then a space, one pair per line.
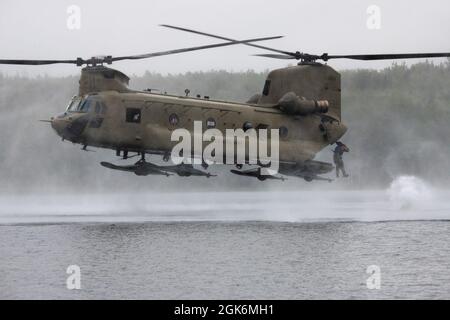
275, 56
36, 62
165, 53
225, 38
109, 59
366, 57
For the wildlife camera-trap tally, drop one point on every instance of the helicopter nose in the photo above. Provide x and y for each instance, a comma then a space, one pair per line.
59, 125
70, 127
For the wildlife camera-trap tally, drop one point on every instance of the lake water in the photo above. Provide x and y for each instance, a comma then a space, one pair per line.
246, 245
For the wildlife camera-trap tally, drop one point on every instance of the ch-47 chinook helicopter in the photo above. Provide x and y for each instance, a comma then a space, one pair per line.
303, 102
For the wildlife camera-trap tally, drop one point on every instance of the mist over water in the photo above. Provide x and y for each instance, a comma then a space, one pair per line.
408, 198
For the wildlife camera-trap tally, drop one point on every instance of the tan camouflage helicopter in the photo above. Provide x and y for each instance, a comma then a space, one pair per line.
302, 102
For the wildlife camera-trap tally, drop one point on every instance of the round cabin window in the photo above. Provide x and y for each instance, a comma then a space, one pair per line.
210, 123
247, 125
173, 119
283, 132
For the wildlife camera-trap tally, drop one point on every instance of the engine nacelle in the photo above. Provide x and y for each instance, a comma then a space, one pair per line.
290, 103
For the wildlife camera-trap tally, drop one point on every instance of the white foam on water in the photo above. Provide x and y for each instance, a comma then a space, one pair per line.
409, 193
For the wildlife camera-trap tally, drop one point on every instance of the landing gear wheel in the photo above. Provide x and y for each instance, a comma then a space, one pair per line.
309, 179
239, 166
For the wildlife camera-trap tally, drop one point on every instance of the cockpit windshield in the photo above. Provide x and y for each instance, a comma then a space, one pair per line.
79, 105
73, 105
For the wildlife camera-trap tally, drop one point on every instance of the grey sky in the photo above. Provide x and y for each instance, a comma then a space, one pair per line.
37, 29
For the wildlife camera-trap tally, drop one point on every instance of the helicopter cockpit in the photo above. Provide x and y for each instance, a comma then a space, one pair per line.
71, 124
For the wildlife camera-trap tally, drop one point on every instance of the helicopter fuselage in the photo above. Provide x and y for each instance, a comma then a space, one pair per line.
143, 122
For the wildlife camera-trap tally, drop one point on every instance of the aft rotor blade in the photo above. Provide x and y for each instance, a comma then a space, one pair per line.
36, 62
165, 53
366, 57
225, 38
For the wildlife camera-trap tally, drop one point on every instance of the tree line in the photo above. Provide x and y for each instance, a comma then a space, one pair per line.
398, 120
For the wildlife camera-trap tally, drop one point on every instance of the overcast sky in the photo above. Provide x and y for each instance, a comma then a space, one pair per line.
38, 30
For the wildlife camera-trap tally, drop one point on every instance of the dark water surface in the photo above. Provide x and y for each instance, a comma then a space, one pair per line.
197, 246
203, 260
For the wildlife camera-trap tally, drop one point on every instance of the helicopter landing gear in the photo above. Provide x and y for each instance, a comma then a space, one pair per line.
86, 149
261, 178
166, 157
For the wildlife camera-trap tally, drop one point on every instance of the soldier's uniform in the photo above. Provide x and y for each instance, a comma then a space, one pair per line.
337, 158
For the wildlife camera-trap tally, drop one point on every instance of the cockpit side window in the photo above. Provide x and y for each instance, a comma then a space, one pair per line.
80, 105
84, 106
100, 108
